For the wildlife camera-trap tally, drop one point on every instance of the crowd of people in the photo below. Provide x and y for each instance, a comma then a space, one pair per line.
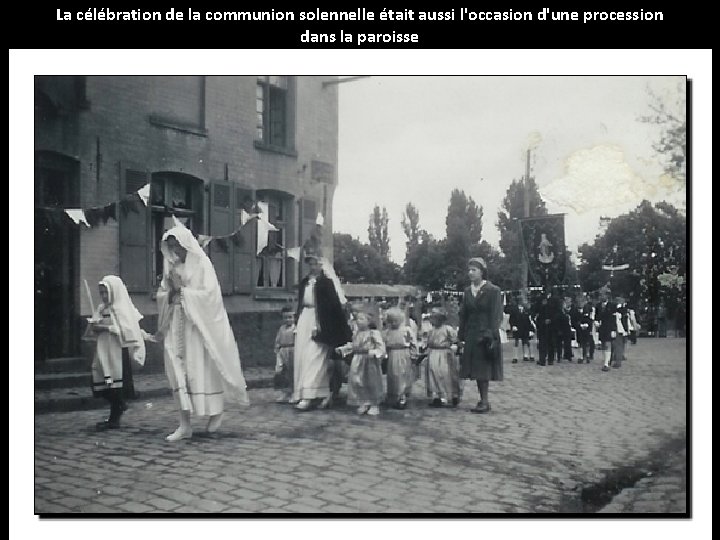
325, 341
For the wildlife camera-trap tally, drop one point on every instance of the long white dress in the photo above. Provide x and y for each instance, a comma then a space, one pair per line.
312, 376
201, 356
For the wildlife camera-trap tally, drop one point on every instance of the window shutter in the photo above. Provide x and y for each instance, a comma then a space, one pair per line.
221, 224
308, 209
245, 253
134, 231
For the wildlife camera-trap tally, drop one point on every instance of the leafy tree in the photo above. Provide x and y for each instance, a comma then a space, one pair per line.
411, 225
652, 240
512, 209
463, 227
356, 262
425, 263
670, 116
378, 231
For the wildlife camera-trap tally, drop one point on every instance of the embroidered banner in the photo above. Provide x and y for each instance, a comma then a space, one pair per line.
543, 240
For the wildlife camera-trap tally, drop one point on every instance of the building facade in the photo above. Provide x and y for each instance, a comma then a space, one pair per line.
209, 146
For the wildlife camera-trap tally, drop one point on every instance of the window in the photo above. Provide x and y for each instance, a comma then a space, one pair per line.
172, 193
272, 107
271, 264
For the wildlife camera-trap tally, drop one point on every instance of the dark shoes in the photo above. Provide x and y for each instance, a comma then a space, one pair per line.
107, 424
605, 368
526, 359
514, 361
455, 402
481, 408
435, 403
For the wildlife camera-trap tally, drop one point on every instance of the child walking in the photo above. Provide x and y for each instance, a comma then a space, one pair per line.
365, 384
284, 349
114, 326
522, 331
400, 345
441, 373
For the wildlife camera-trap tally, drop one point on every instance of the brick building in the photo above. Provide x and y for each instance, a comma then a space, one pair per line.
209, 146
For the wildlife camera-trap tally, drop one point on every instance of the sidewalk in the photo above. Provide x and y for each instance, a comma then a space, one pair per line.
147, 386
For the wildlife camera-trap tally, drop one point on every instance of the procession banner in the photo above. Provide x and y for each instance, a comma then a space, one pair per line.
543, 243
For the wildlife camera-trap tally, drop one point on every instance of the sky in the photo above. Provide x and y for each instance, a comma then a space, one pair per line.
415, 138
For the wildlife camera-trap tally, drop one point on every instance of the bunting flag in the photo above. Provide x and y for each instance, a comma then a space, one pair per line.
294, 253
92, 216
144, 193
246, 216
221, 244
320, 220
543, 244
77, 215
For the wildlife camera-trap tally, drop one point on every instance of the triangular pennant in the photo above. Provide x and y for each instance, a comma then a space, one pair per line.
237, 239
77, 215
125, 206
177, 222
294, 253
320, 220
204, 240
263, 229
144, 194
94, 216
135, 203
109, 212
221, 244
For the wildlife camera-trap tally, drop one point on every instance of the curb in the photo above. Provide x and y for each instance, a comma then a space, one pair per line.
87, 403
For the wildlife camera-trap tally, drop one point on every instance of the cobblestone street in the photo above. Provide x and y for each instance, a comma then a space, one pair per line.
553, 432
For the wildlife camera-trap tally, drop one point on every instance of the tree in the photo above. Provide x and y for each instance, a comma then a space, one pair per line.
652, 240
411, 225
512, 209
378, 232
356, 262
670, 116
425, 263
463, 227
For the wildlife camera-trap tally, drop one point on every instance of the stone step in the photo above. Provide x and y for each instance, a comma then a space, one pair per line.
47, 381
73, 364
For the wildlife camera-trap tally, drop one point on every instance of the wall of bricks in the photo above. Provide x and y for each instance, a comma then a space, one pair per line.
119, 129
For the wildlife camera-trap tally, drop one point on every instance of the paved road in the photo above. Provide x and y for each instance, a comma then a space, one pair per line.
553, 431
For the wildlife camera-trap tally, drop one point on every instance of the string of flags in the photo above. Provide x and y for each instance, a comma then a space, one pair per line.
133, 202
91, 217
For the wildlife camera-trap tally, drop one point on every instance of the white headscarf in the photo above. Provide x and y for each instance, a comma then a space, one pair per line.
125, 317
203, 305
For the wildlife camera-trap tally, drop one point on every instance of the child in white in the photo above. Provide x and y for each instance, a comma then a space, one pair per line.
365, 384
284, 348
400, 345
114, 325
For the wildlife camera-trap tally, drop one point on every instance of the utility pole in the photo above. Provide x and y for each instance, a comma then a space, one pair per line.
526, 214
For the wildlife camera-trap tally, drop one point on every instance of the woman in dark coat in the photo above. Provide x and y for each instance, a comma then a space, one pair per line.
481, 314
321, 327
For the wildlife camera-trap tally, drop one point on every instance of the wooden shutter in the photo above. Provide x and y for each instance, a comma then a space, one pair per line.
221, 224
308, 217
134, 231
245, 253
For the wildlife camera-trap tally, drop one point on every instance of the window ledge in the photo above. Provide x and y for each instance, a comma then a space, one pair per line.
160, 121
260, 145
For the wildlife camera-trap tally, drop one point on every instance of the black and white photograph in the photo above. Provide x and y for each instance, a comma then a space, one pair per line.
373, 295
